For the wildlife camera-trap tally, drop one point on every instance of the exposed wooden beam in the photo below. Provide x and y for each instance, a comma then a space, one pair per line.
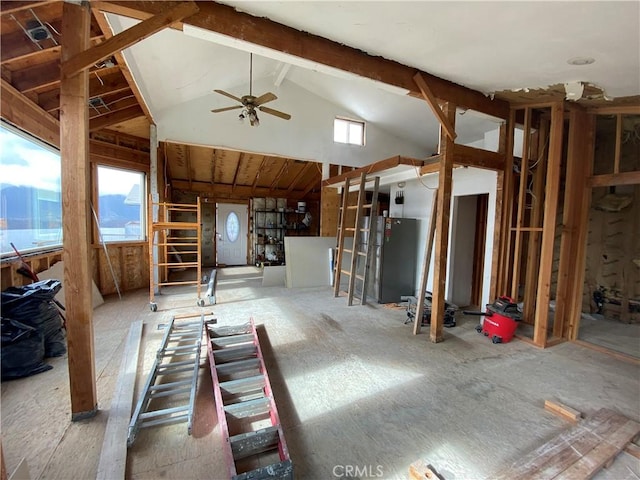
616, 157
284, 167
39, 76
442, 228
213, 166
101, 19
107, 150
127, 38
187, 161
257, 177
113, 105
98, 86
376, 167
76, 198
303, 171
241, 191
613, 110
433, 104
17, 45
235, 174
267, 33
312, 184
19, 110
476, 157
17, 5
552, 188
614, 179
120, 116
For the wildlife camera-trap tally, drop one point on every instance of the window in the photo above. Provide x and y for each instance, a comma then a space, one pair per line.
121, 204
233, 227
348, 131
30, 200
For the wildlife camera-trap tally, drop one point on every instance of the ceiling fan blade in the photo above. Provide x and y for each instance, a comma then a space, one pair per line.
267, 97
227, 94
218, 110
277, 113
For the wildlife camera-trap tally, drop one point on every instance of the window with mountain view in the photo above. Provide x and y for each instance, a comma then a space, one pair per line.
121, 204
30, 201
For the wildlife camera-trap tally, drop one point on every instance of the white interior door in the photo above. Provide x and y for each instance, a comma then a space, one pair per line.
232, 224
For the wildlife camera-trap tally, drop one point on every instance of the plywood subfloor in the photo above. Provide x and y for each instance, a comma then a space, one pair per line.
353, 387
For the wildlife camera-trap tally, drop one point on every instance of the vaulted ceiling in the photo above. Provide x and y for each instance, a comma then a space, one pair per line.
514, 50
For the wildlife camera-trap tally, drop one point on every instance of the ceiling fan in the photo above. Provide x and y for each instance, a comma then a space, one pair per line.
249, 103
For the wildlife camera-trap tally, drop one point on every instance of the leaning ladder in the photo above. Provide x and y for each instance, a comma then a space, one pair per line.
355, 273
253, 440
169, 393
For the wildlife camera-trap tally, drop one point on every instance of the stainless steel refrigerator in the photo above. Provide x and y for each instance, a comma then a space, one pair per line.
393, 261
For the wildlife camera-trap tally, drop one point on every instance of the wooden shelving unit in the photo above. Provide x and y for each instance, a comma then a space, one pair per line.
174, 239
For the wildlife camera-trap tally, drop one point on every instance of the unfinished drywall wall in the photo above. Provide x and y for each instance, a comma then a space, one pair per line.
418, 203
308, 261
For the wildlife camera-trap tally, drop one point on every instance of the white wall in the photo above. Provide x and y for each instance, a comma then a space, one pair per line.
418, 200
308, 135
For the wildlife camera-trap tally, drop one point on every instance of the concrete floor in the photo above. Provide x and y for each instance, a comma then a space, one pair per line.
353, 388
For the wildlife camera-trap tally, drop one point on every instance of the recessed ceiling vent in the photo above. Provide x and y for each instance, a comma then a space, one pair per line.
37, 31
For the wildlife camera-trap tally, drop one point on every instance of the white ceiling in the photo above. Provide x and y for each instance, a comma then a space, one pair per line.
488, 46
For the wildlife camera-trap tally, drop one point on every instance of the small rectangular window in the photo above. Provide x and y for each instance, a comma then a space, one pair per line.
121, 204
348, 131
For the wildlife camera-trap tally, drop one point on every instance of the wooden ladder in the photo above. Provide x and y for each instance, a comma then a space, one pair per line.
253, 440
355, 273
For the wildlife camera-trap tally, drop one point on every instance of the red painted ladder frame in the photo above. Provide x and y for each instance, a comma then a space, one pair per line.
236, 350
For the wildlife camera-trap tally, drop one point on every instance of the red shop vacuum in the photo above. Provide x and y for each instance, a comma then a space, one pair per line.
500, 320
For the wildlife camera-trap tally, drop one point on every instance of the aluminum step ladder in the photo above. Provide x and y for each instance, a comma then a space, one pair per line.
169, 393
360, 258
254, 443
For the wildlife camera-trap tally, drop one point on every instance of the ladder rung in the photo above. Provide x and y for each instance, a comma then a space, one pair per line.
247, 384
164, 411
345, 272
352, 207
351, 229
165, 421
251, 443
347, 250
238, 366
167, 386
362, 254
249, 408
360, 277
173, 371
181, 348
367, 205
167, 393
364, 229
232, 339
229, 354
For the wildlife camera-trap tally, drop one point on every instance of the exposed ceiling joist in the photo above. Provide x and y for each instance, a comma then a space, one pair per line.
105, 121
303, 171
435, 107
241, 191
284, 167
213, 166
235, 174
255, 180
264, 32
129, 37
101, 19
15, 6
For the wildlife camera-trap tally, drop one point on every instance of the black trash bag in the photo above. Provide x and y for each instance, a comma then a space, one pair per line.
34, 305
22, 350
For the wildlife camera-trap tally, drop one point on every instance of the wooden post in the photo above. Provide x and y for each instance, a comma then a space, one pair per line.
585, 124
533, 247
549, 225
329, 211
76, 199
442, 226
499, 226
426, 262
507, 209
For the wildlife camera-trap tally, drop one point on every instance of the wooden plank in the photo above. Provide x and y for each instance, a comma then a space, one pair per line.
340, 240
466, 156
564, 411
507, 209
420, 470
19, 110
119, 116
76, 198
376, 167
228, 21
614, 179
127, 38
549, 225
524, 183
633, 449
299, 175
433, 104
426, 262
356, 240
442, 229
613, 444
241, 191
18, 5
101, 19
113, 457
613, 110
616, 157
498, 221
